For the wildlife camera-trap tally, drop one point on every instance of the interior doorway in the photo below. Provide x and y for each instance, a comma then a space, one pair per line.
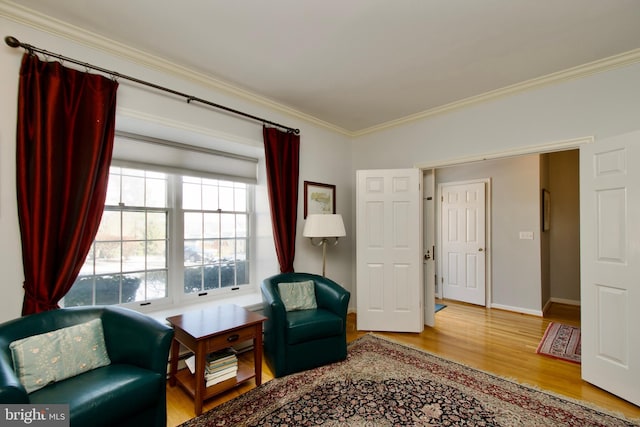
529, 267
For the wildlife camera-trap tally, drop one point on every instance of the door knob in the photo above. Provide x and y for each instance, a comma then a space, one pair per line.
481, 249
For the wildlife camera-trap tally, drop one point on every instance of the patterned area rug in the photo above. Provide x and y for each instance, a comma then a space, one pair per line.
383, 383
562, 342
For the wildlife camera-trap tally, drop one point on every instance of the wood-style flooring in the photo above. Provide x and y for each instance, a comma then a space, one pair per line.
497, 341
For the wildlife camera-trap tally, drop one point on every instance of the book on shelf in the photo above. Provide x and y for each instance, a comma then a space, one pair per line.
216, 362
208, 375
220, 379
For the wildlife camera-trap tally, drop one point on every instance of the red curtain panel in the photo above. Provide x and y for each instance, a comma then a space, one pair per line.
64, 144
282, 153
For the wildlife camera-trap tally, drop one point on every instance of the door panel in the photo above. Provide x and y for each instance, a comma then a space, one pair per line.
463, 242
610, 264
389, 250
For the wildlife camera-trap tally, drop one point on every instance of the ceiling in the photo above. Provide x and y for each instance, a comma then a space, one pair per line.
360, 64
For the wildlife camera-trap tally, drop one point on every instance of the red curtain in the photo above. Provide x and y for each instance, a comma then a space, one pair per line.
282, 153
63, 150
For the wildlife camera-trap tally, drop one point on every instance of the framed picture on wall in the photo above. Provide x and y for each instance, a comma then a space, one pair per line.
546, 210
319, 198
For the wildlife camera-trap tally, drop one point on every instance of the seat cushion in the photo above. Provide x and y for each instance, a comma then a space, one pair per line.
104, 395
307, 325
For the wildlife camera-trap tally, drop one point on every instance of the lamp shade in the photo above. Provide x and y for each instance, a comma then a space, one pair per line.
324, 225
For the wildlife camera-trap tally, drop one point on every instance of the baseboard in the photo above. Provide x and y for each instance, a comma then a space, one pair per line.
518, 309
565, 301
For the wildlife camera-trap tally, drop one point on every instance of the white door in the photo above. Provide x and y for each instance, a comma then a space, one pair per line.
429, 246
463, 242
610, 264
389, 284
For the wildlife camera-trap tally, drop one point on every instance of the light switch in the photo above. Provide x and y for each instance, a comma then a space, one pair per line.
526, 235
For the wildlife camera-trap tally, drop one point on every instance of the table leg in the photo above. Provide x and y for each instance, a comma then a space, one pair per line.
199, 378
173, 364
257, 354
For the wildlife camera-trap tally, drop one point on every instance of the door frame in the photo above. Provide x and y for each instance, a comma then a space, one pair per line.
487, 230
561, 145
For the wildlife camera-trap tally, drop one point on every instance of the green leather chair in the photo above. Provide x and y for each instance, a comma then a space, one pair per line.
131, 391
299, 340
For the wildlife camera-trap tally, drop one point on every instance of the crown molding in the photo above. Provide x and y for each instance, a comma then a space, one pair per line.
34, 19
606, 64
56, 27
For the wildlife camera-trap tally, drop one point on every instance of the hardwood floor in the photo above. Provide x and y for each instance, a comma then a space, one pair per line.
497, 341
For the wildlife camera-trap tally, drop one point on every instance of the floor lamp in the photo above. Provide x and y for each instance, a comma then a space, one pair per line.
324, 227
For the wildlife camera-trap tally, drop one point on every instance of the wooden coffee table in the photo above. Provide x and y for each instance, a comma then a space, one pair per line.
209, 330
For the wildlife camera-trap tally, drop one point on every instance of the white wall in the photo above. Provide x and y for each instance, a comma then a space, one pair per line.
599, 105
515, 207
325, 155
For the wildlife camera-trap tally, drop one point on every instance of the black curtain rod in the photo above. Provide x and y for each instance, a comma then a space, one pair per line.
14, 42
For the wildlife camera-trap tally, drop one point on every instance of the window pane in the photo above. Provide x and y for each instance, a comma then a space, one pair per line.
228, 225
241, 225
211, 251
133, 225
191, 196
240, 199
192, 252
156, 225
113, 189
211, 225
228, 273
210, 198
109, 228
211, 279
133, 191
226, 198
107, 257
156, 196
193, 225
133, 258
156, 286
107, 289
156, 254
192, 280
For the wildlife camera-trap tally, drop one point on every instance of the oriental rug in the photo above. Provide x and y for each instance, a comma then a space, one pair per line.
561, 342
383, 383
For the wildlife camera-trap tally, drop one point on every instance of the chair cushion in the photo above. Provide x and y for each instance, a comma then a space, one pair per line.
309, 325
104, 395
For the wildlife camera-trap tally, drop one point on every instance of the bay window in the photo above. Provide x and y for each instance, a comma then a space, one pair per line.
167, 237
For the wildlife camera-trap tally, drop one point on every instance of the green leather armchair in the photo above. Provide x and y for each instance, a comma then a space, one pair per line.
131, 391
298, 340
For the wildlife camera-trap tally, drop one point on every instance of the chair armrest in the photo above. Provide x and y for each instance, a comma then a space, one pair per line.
136, 339
331, 296
11, 390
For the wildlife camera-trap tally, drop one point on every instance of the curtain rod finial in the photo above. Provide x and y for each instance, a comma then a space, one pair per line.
12, 41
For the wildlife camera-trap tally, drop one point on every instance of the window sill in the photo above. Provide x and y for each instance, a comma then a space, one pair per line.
251, 301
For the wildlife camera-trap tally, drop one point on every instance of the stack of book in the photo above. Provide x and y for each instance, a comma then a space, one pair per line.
220, 366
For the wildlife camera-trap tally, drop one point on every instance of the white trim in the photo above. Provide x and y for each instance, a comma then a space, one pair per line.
546, 147
518, 309
34, 19
31, 18
565, 301
601, 65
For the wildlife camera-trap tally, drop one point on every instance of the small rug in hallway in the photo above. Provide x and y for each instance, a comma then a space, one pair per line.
383, 383
439, 307
562, 342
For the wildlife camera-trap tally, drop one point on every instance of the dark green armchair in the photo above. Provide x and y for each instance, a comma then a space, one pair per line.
299, 340
130, 391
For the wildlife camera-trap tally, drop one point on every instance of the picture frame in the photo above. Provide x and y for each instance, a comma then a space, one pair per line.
546, 210
319, 198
